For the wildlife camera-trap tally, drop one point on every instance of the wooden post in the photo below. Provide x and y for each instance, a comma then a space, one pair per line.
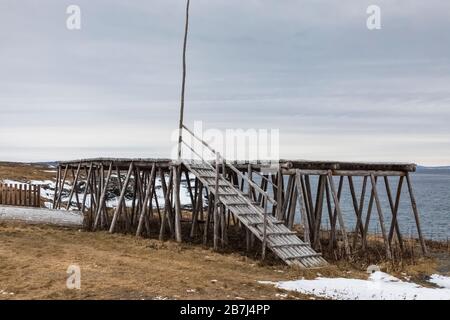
167, 213
183, 86
394, 210
103, 197
177, 190
381, 217
58, 177
86, 188
318, 211
416, 214
302, 202
339, 213
198, 208
148, 195
122, 195
57, 205
216, 204
279, 195
208, 217
264, 242
357, 207
74, 187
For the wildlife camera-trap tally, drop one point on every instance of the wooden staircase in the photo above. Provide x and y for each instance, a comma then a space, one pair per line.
279, 239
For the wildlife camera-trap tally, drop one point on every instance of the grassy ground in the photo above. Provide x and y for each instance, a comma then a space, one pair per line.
24, 172
34, 261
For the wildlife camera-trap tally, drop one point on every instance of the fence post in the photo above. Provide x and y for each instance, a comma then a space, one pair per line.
264, 243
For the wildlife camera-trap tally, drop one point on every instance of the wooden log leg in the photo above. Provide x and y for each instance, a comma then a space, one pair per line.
57, 182
292, 208
223, 227
198, 207
74, 186
189, 187
166, 217
121, 198
318, 211
302, 205
99, 192
416, 215
148, 194
177, 190
381, 217
311, 210
279, 212
158, 209
58, 201
208, 216
367, 223
86, 188
357, 207
288, 198
394, 211
334, 219
130, 219
102, 201
247, 239
94, 199
339, 214
330, 215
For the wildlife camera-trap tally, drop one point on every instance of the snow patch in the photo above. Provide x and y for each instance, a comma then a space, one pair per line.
379, 286
440, 280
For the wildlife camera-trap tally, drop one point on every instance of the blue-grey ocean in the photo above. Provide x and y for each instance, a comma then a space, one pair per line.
432, 192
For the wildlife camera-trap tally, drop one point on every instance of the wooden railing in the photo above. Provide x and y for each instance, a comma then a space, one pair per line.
26, 195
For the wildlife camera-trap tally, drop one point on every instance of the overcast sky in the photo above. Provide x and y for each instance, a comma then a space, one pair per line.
311, 68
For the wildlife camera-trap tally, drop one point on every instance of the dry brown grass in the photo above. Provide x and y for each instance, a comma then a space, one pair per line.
34, 260
23, 172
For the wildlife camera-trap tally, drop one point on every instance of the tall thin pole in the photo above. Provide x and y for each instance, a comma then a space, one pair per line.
183, 86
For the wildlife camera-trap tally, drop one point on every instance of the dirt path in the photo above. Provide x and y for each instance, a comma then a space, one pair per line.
34, 261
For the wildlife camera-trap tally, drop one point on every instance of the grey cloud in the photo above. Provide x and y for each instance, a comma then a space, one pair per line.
310, 68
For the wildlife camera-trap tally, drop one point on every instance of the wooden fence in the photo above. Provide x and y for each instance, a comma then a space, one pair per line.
26, 195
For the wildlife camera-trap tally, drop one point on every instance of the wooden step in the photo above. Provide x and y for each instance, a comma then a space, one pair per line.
228, 194
268, 223
287, 233
280, 246
306, 256
236, 204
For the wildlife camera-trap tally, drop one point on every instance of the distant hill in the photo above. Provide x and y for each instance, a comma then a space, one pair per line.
434, 170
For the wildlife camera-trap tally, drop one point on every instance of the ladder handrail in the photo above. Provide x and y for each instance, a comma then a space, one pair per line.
229, 165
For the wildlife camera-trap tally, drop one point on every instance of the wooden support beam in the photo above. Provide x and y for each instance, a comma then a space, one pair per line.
102, 200
416, 215
121, 198
394, 211
167, 213
279, 208
339, 214
302, 205
58, 178
58, 201
86, 188
177, 189
74, 186
381, 217
148, 195
358, 207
